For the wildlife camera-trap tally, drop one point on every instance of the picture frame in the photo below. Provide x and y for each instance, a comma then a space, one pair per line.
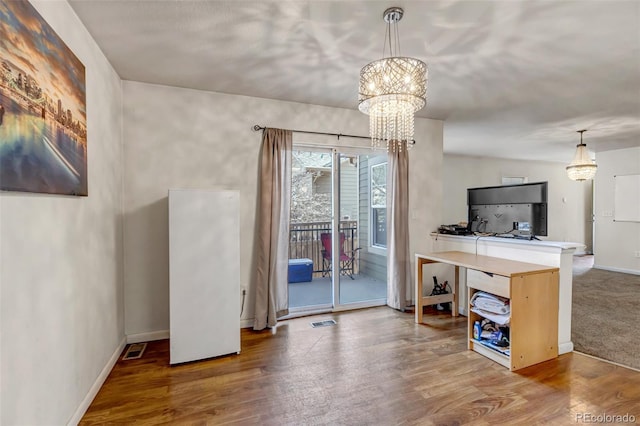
43, 130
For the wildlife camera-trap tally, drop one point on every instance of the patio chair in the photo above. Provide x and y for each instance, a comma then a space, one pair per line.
347, 259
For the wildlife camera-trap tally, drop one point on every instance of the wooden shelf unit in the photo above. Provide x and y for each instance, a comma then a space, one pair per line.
533, 293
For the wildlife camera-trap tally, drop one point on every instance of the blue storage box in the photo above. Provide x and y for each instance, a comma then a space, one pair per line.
300, 270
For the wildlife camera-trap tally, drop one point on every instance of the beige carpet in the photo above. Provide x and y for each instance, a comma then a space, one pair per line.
605, 319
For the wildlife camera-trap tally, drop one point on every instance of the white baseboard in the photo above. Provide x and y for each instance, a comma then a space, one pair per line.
565, 348
607, 361
164, 334
148, 337
612, 269
93, 391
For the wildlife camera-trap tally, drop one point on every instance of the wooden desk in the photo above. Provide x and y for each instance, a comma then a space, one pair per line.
550, 253
533, 293
422, 301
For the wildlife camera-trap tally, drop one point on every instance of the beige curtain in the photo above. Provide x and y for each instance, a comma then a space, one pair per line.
274, 194
398, 259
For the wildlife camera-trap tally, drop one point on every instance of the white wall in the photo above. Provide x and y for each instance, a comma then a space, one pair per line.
615, 242
569, 202
61, 261
181, 138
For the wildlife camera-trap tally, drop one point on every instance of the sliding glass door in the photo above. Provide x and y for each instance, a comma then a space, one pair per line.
363, 260
311, 225
346, 269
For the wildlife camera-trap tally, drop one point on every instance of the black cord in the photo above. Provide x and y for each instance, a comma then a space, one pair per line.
244, 293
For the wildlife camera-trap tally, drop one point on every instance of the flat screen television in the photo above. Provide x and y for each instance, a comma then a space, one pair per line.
510, 210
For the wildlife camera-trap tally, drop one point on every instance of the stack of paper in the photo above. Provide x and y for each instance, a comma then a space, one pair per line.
492, 307
490, 302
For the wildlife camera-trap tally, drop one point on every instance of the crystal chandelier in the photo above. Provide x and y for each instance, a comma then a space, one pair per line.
391, 90
582, 167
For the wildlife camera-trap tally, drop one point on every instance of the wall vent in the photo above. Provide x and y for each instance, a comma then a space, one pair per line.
135, 351
325, 323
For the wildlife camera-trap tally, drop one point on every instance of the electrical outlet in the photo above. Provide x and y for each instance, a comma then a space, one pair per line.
636, 254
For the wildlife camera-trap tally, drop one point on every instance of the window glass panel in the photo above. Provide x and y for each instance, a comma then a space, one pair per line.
379, 185
380, 227
379, 205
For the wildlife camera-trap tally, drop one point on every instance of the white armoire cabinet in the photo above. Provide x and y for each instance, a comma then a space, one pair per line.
204, 274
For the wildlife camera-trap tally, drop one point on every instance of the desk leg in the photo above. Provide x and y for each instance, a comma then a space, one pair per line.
456, 287
419, 264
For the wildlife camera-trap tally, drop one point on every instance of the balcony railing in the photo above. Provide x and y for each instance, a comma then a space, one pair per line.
305, 243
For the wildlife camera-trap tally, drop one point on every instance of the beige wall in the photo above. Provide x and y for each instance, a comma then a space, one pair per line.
569, 202
180, 138
615, 242
61, 257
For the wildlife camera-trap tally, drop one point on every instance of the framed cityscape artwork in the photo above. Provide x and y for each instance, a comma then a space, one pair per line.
43, 120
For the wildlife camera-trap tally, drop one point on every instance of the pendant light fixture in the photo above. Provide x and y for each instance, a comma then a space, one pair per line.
391, 90
582, 167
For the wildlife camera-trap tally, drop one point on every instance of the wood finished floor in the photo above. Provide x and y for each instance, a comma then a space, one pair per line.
376, 366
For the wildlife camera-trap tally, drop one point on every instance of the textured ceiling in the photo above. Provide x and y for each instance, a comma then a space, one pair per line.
512, 79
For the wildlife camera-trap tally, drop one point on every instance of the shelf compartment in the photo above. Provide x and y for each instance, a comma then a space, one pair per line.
501, 350
490, 353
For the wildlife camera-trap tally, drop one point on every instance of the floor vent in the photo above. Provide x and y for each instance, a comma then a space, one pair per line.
325, 323
135, 351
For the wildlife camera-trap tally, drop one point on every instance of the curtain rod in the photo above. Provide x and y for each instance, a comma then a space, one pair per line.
339, 135
257, 127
